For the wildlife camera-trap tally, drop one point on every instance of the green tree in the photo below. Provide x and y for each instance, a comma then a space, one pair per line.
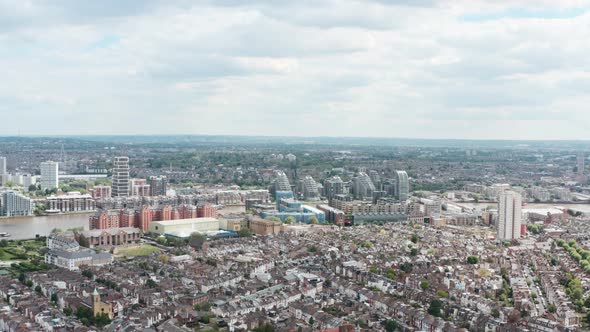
472, 259
88, 274
414, 252
244, 232
551, 308
264, 328
435, 308
390, 325
495, 313
414, 238
289, 220
424, 285
313, 220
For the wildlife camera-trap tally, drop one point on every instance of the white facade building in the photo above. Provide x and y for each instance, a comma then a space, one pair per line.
510, 216
120, 186
49, 175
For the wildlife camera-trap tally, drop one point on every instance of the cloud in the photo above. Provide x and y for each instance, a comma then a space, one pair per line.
460, 69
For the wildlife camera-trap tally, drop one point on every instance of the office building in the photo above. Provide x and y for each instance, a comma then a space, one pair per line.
158, 185
15, 204
120, 177
49, 175
580, 163
509, 216
402, 185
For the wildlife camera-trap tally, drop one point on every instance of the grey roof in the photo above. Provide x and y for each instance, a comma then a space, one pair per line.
112, 231
90, 254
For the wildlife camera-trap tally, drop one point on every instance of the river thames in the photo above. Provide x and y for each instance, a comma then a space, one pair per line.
29, 227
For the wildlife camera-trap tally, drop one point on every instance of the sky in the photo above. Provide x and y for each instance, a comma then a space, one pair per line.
462, 69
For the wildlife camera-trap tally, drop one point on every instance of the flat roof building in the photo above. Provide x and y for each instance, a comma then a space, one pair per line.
184, 227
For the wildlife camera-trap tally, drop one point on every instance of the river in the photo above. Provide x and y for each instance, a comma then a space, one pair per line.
585, 208
28, 227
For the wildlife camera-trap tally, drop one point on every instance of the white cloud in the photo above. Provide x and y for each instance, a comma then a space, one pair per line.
446, 69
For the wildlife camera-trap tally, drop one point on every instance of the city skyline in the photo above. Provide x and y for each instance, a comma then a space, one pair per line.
475, 70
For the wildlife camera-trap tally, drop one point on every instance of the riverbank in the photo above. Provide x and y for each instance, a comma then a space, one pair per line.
21, 228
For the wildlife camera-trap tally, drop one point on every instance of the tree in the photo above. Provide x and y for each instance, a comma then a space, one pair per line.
435, 308
495, 313
163, 258
38, 289
83, 241
551, 308
244, 232
151, 283
472, 259
264, 328
442, 293
289, 220
54, 298
390, 325
414, 252
56, 230
313, 220
197, 236
88, 274
414, 238
312, 249
424, 285
273, 218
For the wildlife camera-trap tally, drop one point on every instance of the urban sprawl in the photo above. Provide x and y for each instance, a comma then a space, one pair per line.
234, 235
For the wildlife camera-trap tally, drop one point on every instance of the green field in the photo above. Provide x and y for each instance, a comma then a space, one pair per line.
143, 250
20, 250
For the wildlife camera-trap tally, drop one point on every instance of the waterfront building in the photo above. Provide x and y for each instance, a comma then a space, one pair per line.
71, 202
15, 204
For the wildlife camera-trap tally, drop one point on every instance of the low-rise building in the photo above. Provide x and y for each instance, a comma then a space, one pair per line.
111, 236
184, 227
